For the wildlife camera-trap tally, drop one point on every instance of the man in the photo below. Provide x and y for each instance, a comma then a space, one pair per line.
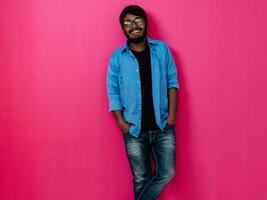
142, 89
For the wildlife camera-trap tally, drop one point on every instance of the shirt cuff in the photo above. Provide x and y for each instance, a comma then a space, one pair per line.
173, 85
115, 106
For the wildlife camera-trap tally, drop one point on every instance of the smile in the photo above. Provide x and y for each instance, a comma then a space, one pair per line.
135, 31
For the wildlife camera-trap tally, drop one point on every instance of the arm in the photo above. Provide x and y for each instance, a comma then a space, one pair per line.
173, 87
113, 90
172, 93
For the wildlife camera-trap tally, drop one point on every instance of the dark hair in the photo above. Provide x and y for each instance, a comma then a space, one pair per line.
134, 10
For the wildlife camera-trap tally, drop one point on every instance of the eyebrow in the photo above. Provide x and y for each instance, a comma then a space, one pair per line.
133, 19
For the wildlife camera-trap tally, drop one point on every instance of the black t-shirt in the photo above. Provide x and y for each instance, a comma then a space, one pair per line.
148, 121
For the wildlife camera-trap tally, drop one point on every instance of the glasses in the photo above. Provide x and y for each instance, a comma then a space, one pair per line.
136, 21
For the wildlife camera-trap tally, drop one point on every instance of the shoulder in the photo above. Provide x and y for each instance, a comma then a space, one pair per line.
157, 43
159, 46
115, 57
118, 51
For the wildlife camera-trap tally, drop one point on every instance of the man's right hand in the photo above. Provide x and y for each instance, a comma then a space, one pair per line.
124, 126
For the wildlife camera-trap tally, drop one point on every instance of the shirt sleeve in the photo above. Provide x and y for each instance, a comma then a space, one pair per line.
113, 86
171, 71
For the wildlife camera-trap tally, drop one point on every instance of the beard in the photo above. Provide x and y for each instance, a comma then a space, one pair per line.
139, 39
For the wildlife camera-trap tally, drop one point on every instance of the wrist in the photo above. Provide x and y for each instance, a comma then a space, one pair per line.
121, 121
170, 120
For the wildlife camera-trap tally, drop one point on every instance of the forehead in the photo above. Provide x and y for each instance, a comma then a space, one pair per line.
130, 17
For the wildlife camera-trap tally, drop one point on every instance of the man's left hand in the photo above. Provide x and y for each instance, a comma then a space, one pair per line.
171, 120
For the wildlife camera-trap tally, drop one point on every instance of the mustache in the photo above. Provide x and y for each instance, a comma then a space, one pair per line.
138, 29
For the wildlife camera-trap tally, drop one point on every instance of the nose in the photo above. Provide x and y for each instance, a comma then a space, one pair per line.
133, 25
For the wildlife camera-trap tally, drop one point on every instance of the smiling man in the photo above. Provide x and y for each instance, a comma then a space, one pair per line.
142, 89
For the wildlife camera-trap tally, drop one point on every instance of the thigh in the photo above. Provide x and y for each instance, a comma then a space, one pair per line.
164, 151
138, 153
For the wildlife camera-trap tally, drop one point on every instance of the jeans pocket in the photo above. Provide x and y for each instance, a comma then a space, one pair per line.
125, 134
169, 127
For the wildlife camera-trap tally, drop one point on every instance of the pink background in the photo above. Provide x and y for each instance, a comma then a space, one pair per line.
59, 142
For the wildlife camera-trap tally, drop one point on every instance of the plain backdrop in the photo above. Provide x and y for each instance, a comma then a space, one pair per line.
59, 142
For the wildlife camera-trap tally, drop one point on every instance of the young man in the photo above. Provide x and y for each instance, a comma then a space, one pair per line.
142, 89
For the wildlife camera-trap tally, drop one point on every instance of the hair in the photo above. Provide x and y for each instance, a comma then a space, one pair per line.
134, 10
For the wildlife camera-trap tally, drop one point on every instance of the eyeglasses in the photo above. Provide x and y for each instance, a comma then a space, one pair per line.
136, 21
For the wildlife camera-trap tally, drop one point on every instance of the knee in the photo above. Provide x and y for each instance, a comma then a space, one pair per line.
168, 175
140, 179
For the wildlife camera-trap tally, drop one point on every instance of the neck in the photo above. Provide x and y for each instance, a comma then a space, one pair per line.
138, 47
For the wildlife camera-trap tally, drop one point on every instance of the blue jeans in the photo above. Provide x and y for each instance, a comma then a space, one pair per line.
161, 147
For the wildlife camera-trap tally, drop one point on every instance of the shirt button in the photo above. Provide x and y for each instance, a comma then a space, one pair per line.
138, 82
137, 70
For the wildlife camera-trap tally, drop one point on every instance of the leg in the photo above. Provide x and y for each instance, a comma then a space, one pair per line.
138, 152
163, 149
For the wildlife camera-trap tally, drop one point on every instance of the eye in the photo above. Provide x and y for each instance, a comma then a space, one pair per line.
139, 21
127, 23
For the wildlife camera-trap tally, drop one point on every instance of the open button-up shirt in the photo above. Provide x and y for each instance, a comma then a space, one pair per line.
124, 87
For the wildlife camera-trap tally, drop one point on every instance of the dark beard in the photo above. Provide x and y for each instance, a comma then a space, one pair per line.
137, 40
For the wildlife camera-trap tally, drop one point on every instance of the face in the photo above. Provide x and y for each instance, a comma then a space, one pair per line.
134, 28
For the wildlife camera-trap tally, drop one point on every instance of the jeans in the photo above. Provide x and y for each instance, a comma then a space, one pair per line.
161, 147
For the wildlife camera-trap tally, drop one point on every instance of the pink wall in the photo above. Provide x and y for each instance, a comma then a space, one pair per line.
59, 142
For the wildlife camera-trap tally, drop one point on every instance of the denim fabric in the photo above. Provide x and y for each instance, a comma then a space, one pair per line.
159, 145
124, 85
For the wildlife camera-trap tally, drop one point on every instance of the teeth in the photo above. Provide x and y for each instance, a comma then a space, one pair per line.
135, 31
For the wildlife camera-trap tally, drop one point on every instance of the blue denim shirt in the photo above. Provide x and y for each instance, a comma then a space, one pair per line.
124, 87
